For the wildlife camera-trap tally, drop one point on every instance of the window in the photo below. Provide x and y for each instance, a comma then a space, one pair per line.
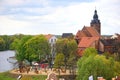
51, 40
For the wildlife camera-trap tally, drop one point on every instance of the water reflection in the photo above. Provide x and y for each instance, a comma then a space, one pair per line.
4, 64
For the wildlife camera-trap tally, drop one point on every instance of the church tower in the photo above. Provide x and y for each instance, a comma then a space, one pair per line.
95, 23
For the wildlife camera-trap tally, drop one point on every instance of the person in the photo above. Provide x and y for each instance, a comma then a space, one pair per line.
36, 70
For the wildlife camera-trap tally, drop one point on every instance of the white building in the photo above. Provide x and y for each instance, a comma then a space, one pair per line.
114, 36
52, 40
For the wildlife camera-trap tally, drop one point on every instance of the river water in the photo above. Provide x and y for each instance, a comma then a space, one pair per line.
5, 65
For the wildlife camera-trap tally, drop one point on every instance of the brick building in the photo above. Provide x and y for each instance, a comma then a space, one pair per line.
89, 36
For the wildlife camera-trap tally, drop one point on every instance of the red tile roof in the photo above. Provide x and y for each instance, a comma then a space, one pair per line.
48, 36
81, 34
93, 32
87, 32
87, 41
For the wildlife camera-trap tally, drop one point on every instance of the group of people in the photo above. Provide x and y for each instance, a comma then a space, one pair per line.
27, 68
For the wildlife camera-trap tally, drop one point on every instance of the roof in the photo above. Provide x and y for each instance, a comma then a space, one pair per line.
87, 41
108, 42
48, 36
79, 34
93, 32
67, 35
87, 32
116, 35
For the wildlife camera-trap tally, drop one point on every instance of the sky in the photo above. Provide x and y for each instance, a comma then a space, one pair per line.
57, 16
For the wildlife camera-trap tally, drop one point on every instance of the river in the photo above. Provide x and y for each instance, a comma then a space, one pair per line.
5, 65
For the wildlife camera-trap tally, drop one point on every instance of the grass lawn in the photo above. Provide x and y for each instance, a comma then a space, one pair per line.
9, 76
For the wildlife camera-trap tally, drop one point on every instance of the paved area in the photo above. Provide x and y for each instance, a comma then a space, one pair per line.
41, 72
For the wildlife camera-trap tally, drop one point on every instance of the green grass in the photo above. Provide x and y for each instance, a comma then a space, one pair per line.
9, 76
40, 77
6, 76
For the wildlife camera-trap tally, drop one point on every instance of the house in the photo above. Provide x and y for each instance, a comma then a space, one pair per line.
107, 45
52, 40
116, 35
67, 35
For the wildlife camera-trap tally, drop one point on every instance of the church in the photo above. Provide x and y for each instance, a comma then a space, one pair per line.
89, 36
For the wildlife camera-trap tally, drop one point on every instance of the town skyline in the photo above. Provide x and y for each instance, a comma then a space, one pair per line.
57, 17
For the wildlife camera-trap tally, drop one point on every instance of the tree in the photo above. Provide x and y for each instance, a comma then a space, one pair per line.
59, 45
2, 44
7, 40
14, 45
72, 59
96, 65
67, 47
59, 60
116, 68
20, 48
117, 49
36, 48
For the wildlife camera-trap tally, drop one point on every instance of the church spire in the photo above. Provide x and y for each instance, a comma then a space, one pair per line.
95, 15
95, 18
96, 22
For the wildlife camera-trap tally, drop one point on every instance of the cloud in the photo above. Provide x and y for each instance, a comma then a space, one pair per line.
31, 19
9, 26
11, 2
109, 16
14, 3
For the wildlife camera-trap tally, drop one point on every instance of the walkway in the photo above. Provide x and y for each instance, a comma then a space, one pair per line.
41, 72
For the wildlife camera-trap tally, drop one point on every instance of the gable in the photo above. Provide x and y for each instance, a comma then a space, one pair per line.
80, 34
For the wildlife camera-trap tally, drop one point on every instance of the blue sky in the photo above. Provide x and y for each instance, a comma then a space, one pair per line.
57, 16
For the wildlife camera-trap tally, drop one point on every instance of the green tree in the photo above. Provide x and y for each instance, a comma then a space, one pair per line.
7, 40
60, 45
20, 48
96, 65
72, 58
59, 60
117, 49
14, 45
36, 48
2, 44
67, 47
117, 68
